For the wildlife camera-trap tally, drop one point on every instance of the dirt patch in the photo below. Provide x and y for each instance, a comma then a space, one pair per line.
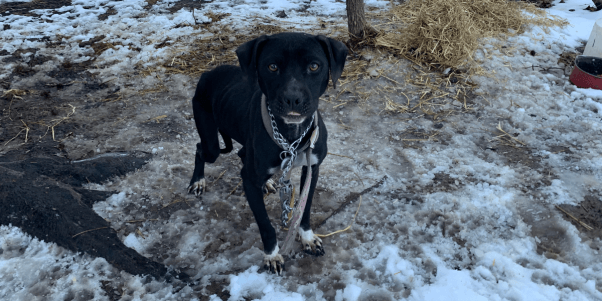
47, 202
589, 212
54, 108
555, 149
38, 116
540, 3
568, 58
98, 46
217, 288
164, 129
444, 182
25, 8
518, 155
112, 292
190, 4
111, 11
552, 238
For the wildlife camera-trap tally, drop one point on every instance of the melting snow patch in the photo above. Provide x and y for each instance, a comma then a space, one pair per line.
131, 241
251, 284
350, 293
449, 285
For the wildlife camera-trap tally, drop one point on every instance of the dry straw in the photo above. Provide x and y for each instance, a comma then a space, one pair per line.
217, 49
447, 32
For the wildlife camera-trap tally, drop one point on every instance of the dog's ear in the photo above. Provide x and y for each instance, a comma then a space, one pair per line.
337, 53
247, 57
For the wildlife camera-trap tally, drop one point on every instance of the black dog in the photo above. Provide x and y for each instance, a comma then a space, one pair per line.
283, 74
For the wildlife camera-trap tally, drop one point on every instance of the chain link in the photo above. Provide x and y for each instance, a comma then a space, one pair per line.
288, 156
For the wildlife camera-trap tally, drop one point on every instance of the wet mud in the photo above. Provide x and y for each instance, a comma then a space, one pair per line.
42, 194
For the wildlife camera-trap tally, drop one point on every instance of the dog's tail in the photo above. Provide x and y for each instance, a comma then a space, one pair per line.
227, 141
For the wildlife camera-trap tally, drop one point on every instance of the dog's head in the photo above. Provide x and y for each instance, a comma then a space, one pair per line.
292, 70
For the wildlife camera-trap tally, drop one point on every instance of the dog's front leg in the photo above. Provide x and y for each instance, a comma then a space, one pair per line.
312, 244
273, 261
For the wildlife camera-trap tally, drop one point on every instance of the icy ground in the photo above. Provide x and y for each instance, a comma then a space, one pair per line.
461, 215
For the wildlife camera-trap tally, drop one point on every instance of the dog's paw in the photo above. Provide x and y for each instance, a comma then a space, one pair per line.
268, 187
312, 244
197, 187
274, 262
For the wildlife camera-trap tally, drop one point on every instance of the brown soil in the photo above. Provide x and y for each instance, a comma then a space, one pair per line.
25, 8
589, 212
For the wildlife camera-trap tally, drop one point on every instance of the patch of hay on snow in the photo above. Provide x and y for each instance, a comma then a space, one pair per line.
447, 32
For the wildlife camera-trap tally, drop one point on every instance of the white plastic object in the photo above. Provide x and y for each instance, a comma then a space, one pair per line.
594, 44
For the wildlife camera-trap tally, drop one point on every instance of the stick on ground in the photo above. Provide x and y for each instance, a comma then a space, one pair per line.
350, 198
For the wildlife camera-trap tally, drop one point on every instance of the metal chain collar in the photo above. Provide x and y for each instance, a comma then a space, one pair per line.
288, 156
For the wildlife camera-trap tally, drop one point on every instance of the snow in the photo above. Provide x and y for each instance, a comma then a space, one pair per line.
131, 241
350, 293
581, 21
250, 284
396, 249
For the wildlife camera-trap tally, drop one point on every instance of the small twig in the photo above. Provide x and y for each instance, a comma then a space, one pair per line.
406, 97
349, 198
26, 130
175, 202
218, 177
348, 227
341, 156
141, 220
233, 190
344, 103
156, 118
499, 127
586, 226
61, 120
192, 10
88, 231
390, 79
14, 137
343, 124
359, 179
10, 105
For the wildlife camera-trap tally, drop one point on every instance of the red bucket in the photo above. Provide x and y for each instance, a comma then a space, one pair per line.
587, 72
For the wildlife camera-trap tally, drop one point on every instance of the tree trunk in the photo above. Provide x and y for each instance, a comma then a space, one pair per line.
356, 20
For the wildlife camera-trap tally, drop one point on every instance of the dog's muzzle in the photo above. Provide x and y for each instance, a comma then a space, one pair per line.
293, 118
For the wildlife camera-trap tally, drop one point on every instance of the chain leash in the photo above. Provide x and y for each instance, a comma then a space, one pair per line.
288, 156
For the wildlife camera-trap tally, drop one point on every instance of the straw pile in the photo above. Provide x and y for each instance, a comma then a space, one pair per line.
447, 32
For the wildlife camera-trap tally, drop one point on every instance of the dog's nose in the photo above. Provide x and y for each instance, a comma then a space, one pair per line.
293, 96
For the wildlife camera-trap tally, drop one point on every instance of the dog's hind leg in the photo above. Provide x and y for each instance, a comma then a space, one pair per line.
312, 244
208, 150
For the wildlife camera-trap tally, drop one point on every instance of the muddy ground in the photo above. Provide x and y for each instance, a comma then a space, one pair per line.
57, 123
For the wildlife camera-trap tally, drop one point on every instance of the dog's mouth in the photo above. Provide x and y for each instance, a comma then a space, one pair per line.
293, 118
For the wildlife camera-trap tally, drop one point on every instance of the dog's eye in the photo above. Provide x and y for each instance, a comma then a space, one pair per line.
273, 67
313, 66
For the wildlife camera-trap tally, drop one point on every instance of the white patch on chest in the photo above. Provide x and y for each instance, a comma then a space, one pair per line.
301, 160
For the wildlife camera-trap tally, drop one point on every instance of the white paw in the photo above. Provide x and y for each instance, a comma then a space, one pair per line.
274, 262
312, 244
269, 187
197, 187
